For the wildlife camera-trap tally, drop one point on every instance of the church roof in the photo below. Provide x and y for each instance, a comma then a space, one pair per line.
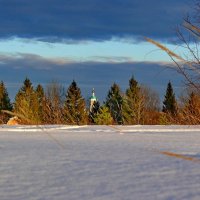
93, 97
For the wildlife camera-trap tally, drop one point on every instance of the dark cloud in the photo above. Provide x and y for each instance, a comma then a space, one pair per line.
74, 20
100, 75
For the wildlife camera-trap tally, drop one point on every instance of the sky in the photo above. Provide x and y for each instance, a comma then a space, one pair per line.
94, 42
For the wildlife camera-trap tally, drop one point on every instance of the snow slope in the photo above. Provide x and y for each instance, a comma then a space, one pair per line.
99, 163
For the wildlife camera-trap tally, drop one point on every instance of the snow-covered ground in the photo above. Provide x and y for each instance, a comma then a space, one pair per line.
100, 163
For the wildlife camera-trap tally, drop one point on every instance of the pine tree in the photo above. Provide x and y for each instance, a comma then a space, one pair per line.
114, 102
5, 103
134, 108
169, 103
26, 103
103, 116
75, 107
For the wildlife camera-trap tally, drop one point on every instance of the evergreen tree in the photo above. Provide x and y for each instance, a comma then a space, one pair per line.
94, 111
27, 87
134, 108
40, 92
75, 107
103, 116
114, 102
4, 103
169, 103
41, 97
26, 103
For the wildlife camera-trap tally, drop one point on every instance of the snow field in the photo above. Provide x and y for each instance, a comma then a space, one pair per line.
99, 162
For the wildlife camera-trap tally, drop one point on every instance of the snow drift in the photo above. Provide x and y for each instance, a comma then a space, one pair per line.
99, 162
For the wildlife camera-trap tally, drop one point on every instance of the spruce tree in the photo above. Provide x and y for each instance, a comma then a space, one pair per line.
114, 102
75, 107
26, 103
169, 103
5, 103
103, 116
134, 108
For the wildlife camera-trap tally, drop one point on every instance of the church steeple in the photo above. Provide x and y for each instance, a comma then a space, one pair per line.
92, 99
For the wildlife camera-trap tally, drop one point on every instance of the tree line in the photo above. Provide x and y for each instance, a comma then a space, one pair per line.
137, 105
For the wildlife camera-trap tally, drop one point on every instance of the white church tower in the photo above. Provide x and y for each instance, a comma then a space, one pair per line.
92, 99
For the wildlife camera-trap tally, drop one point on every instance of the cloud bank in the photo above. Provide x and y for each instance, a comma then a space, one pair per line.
97, 20
100, 75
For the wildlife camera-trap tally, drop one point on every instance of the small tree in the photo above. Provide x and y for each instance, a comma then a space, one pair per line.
52, 104
190, 114
40, 96
169, 103
135, 103
5, 103
114, 102
151, 99
26, 104
75, 107
103, 116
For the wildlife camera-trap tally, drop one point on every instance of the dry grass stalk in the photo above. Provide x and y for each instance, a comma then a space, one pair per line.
162, 47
